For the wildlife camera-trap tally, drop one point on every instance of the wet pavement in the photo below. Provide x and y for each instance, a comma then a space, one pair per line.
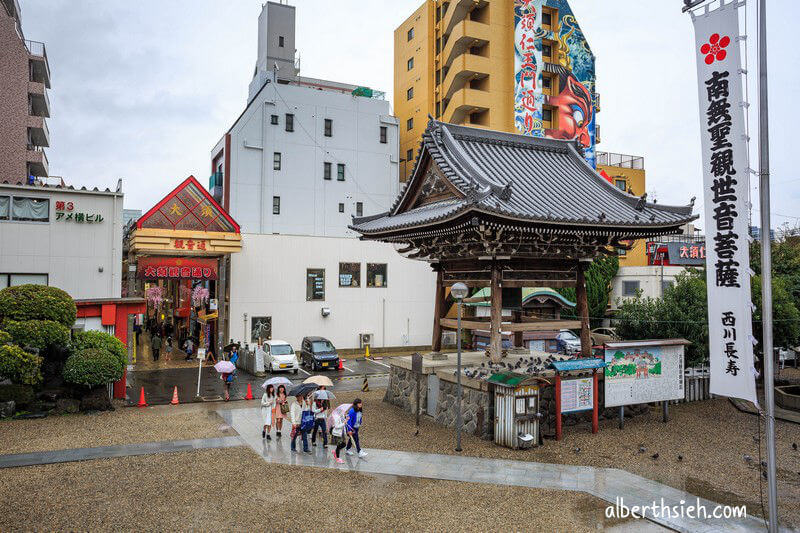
159, 384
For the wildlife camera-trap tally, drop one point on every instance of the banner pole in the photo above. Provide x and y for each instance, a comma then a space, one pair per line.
766, 265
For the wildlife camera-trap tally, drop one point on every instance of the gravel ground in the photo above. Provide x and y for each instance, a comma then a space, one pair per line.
235, 489
126, 425
712, 437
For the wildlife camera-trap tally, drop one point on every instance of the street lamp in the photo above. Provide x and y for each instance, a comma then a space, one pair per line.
459, 292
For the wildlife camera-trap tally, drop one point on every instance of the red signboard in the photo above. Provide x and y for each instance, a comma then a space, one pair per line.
176, 268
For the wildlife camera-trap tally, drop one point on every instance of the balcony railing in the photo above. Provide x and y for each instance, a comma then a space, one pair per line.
620, 160
36, 48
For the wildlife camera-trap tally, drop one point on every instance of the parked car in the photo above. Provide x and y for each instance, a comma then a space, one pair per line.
568, 342
317, 353
601, 336
279, 356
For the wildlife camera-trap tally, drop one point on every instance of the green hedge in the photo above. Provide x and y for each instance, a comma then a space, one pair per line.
19, 366
83, 340
93, 367
37, 302
41, 334
5, 338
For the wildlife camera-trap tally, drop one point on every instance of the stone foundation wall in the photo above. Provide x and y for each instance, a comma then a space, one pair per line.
402, 390
477, 408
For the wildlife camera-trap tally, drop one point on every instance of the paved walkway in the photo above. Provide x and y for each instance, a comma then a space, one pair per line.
608, 484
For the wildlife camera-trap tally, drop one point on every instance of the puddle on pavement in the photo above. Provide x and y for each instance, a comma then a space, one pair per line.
704, 489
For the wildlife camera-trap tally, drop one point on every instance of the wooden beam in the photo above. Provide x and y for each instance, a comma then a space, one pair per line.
495, 340
439, 311
517, 334
583, 310
542, 325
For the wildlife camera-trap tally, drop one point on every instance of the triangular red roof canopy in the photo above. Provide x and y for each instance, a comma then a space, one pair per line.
189, 207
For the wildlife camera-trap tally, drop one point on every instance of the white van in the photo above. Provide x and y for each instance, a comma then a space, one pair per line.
279, 356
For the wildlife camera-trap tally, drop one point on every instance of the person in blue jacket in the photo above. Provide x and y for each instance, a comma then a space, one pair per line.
227, 379
354, 419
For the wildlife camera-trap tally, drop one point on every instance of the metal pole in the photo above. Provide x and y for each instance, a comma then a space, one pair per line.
766, 264
458, 381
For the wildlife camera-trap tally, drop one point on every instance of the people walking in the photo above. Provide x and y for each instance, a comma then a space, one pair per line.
320, 410
281, 409
189, 346
353, 422
168, 342
267, 406
155, 346
339, 433
298, 429
227, 379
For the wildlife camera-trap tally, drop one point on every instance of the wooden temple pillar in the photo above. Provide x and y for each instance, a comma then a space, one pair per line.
495, 335
518, 335
583, 309
439, 310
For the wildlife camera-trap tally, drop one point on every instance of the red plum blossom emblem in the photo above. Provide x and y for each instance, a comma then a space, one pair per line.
714, 49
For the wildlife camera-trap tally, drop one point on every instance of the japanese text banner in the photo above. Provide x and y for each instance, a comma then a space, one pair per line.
725, 185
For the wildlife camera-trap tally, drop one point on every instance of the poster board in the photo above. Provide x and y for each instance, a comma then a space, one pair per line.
577, 395
643, 371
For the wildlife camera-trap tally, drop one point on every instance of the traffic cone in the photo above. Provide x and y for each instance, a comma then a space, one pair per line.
366, 354
249, 395
341, 364
175, 396
365, 385
142, 401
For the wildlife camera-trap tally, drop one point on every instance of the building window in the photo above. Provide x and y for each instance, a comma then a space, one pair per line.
410, 155
326, 170
315, 284
340, 172
328, 127
410, 93
547, 18
410, 63
276, 205
341, 207
289, 122
621, 184
24, 209
665, 285
547, 84
547, 118
376, 274
410, 124
359, 209
349, 274
630, 288
547, 52
276, 161
13, 280
410, 34
383, 134
622, 252
273, 119
280, 41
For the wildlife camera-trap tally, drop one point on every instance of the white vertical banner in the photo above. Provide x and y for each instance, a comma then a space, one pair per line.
726, 186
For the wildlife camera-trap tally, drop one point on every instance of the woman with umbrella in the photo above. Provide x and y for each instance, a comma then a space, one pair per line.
267, 405
320, 407
281, 408
226, 369
352, 425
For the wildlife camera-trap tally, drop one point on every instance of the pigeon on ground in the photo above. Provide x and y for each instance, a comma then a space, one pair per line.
764, 474
642, 449
763, 464
794, 446
747, 459
654, 456
680, 458
577, 450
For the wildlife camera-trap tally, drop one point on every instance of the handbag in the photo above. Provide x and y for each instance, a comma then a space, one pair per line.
306, 421
285, 408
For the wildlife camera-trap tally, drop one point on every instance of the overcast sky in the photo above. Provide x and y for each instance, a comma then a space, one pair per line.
143, 90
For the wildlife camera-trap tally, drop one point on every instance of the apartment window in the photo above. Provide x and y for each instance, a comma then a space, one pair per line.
359, 209
315, 284
410, 34
276, 161
276, 205
547, 19
547, 118
630, 288
326, 170
547, 52
349, 274
376, 274
328, 127
410, 63
621, 184
273, 119
289, 122
410, 93
341, 207
410, 155
24, 209
547, 84
13, 280
622, 252
383, 134
410, 124
280, 41
340, 172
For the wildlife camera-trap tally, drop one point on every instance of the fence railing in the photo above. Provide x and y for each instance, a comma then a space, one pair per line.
612, 159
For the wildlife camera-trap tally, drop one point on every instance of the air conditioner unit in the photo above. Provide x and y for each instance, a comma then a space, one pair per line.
364, 340
449, 338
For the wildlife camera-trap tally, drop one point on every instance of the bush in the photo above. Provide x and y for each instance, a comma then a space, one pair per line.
40, 334
22, 395
92, 367
5, 338
19, 366
83, 340
37, 302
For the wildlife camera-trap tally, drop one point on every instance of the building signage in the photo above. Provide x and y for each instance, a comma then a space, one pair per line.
177, 268
686, 253
189, 244
642, 374
726, 191
577, 395
66, 211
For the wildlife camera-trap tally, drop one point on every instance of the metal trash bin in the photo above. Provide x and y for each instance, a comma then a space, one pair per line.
516, 409
525, 440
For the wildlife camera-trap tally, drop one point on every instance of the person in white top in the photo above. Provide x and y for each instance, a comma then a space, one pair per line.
267, 405
296, 418
320, 410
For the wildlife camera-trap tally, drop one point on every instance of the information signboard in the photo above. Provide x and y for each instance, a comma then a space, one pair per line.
643, 371
577, 395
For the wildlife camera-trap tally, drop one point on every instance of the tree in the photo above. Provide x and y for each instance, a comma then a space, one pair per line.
598, 286
785, 315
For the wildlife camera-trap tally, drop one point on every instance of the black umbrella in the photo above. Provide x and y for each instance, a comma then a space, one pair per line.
302, 389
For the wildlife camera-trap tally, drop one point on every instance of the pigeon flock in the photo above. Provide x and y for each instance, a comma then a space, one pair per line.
528, 365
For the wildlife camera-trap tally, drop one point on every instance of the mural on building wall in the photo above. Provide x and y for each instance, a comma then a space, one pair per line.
573, 85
